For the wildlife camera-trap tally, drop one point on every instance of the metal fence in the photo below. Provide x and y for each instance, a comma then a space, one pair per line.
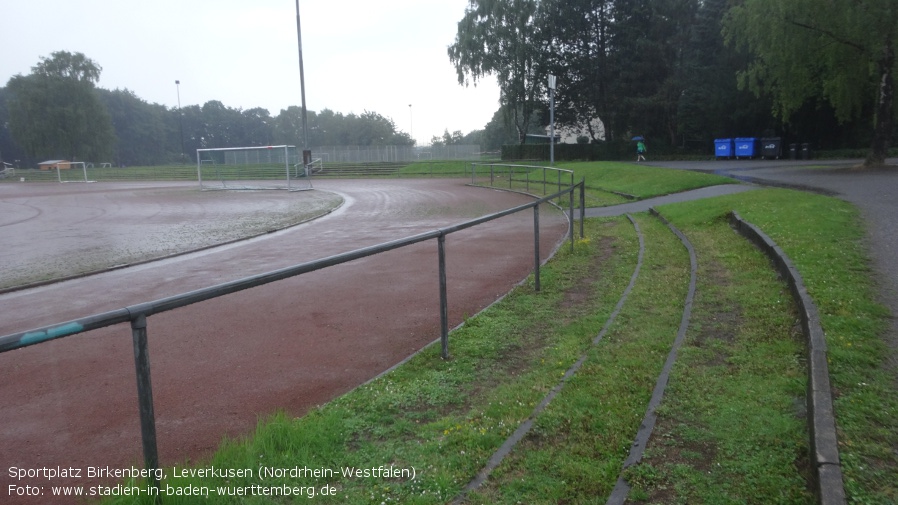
523, 177
394, 154
138, 315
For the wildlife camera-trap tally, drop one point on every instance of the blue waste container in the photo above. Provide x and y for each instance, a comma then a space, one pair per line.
746, 147
723, 148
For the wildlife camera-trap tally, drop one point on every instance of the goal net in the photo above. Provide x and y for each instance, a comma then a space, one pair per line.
73, 171
252, 168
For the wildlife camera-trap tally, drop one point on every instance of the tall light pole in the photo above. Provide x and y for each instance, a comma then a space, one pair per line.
552, 80
180, 117
411, 123
302, 83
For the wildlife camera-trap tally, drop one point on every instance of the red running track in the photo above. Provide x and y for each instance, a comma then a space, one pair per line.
220, 365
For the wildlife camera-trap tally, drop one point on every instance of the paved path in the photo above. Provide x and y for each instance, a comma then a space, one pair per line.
685, 196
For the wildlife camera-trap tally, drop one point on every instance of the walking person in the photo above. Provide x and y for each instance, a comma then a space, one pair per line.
640, 150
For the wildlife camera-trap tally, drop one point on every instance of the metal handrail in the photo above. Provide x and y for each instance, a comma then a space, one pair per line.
137, 314
511, 167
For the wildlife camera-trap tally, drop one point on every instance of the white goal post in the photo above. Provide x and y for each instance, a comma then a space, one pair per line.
252, 168
77, 172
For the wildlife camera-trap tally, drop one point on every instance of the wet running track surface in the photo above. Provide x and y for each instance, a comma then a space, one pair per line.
220, 365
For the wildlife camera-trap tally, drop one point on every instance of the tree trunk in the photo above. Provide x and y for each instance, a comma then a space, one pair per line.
885, 109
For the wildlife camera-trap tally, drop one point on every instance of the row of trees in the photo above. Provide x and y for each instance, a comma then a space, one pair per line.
58, 112
681, 71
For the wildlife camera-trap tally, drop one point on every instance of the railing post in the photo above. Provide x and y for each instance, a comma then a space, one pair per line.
544, 181
559, 188
492, 174
582, 205
145, 395
536, 246
444, 303
571, 217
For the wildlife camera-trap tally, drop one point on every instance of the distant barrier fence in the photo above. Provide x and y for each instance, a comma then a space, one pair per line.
137, 315
395, 154
188, 172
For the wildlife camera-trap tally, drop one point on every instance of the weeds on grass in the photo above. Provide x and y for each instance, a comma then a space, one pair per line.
824, 238
577, 447
729, 430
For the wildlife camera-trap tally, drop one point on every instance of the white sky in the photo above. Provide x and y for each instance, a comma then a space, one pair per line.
358, 55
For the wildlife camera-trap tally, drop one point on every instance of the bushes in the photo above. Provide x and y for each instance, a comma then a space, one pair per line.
604, 151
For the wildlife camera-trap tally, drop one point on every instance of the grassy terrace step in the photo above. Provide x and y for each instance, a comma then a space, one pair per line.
732, 425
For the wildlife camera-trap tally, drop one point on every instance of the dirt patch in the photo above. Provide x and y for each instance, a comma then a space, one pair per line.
715, 323
719, 319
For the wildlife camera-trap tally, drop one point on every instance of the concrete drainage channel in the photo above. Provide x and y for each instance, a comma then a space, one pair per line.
827, 475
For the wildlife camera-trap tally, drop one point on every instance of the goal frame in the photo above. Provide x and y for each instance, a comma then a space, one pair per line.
72, 165
289, 182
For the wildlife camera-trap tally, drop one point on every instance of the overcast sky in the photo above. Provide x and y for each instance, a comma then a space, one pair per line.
358, 55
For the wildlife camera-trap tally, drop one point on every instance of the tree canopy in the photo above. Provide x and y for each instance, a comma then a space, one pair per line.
503, 38
58, 112
801, 69
842, 52
55, 112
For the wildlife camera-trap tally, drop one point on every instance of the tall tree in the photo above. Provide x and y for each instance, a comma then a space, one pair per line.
501, 38
10, 151
649, 38
55, 111
256, 127
710, 103
143, 136
840, 51
580, 45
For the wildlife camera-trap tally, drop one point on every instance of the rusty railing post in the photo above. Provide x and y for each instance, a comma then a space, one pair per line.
444, 303
145, 395
536, 247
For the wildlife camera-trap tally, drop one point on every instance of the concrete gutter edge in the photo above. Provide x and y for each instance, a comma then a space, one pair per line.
824, 448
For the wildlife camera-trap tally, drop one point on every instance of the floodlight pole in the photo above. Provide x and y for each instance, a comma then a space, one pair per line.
180, 117
302, 82
552, 121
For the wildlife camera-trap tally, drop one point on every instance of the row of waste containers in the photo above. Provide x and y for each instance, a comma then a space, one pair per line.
751, 147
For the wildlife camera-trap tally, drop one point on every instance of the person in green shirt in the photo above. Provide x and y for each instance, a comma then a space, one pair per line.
640, 151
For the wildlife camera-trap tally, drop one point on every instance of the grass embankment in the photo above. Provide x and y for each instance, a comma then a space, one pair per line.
824, 238
606, 183
731, 428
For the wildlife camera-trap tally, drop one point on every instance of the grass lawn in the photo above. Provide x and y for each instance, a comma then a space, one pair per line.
731, 427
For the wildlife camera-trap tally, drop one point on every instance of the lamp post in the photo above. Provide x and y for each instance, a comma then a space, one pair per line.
302, 82
180, 117
552, 80
411, 123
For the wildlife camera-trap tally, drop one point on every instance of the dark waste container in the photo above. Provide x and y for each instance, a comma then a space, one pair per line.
723, 148
772, 148
746, 147
805, 151
793, 151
